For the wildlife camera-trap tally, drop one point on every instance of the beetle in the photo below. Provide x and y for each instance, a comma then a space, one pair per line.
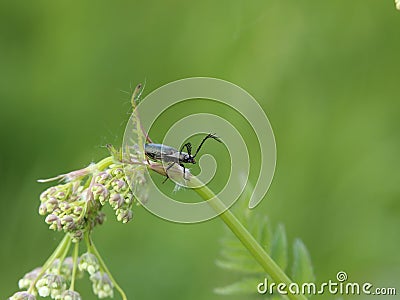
168, 154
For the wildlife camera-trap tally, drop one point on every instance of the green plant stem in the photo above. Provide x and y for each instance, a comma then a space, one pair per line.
104, 163
65, 242
262, 257
92, 248
62, 257
75, 265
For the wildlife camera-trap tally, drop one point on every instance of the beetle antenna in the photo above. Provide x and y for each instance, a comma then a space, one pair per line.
210, 135
188, 147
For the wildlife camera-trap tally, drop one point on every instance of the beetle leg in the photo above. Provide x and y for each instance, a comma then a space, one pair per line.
184, 171
166, 172
166, 178
169, 167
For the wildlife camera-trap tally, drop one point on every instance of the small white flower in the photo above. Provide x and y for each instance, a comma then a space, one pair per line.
44, 291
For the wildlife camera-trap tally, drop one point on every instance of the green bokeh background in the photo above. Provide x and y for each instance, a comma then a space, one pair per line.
325, 72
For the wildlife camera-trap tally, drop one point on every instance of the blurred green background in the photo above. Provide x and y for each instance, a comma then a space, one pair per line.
326, 74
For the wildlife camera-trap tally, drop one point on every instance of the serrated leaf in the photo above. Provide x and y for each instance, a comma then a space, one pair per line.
255, 226
235, 254
302, 270
279, 247
266, 234
247, 268
246, 286
235, 257
232, 242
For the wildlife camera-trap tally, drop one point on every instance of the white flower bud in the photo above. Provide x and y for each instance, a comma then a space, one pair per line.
88, 262
22, 296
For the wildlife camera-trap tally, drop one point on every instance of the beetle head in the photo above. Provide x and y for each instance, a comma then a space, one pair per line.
189, 159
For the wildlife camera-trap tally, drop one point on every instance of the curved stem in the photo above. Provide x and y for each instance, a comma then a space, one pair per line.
62, 257
92, 248
104, 163
65, 242
75, 265
262, 257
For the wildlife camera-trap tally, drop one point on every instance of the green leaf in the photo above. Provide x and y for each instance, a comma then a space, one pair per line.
266, 234
302, 270
236, 259
235, 254
279, 247
240, 267
243, 287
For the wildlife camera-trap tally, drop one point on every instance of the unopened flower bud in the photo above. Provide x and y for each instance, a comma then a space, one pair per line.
64, 205
88, 262
124, 215
116, 201
51, 285
119, 185
42, 209
100, 217
78, 210
102, 177
102, 285
51, 218
70, 295
45, 195
22, 296
128, 199
28, 278
100, 192
68, 222
51, 204
60, 195
77, 235
118, 172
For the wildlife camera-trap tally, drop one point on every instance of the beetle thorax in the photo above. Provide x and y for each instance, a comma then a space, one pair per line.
186, 158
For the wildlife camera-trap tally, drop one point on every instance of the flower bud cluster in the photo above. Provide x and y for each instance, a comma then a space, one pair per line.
88, 262
53, 283
65, 270
28, 278
76, 205
64, 206
70, 295
23, 295
111, 185
102, 285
